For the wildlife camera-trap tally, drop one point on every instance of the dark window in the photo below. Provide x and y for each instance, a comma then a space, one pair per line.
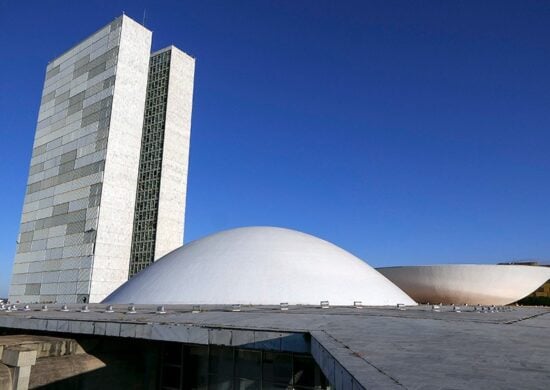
150, 164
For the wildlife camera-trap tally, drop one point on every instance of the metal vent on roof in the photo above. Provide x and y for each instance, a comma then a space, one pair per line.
160, 310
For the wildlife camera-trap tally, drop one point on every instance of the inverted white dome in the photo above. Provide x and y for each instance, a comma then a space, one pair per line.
259, 265
482, 284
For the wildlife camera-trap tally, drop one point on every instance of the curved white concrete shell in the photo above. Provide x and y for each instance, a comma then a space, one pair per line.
468, 283
259, 265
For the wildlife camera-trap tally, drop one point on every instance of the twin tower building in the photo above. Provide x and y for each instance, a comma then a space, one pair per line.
107, 183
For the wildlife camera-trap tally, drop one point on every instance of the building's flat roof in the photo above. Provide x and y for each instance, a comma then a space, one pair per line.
368, 347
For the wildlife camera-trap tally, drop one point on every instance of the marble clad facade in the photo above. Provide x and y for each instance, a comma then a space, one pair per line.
80, 215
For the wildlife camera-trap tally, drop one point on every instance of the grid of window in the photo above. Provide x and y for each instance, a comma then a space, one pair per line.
150, 164
217, 367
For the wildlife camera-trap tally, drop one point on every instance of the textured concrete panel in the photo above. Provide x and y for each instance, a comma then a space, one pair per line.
76, 99
122, 159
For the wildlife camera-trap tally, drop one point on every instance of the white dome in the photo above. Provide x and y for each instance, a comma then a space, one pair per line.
259, 265
482, 284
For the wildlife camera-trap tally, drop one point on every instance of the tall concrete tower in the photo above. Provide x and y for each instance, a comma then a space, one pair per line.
108, 174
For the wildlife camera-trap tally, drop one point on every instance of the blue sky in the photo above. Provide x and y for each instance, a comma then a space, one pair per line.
405, 132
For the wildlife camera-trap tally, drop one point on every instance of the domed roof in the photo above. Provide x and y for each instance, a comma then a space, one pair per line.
474, 284
259, 265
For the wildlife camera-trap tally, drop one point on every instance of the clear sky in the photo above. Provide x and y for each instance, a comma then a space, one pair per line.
407, 132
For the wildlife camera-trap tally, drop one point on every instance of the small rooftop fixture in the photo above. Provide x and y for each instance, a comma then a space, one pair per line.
44, 308
109, 309
85, 309
358, 304
131, 310
64, 308
26, 308
284, 305
400, 306
236, 307
325, 305
196, 309
160, 310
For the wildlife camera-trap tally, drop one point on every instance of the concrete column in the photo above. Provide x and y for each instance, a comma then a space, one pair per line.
5, 377
21, 359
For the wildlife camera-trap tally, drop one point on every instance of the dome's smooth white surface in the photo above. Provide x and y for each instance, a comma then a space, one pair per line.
468, 283
259, 265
